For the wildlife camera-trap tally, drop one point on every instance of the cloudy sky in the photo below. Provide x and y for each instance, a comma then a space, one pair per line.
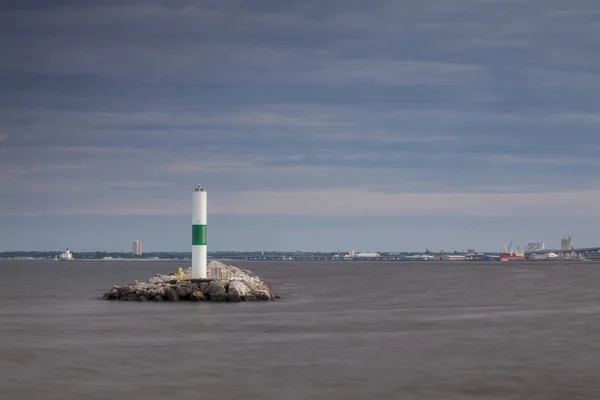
379, 125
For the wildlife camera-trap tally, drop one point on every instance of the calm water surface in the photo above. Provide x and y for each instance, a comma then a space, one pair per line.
342, 331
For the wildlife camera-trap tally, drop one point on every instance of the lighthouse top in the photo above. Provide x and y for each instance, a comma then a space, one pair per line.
199, 189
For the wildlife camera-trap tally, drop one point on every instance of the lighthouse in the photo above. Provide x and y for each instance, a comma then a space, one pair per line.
199, 233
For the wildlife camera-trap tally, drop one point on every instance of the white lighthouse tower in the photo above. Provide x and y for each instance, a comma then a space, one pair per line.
199, 233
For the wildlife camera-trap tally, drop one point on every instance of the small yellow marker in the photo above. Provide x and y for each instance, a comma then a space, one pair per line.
179, 270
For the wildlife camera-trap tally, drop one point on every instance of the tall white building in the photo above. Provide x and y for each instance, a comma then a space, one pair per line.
137, 247
566, 243
535, 246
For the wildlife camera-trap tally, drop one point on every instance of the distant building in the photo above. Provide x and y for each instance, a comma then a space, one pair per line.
535, 247
367, 255
566, 243
66, 256
471, 251
137, 247
351, 253
452, 257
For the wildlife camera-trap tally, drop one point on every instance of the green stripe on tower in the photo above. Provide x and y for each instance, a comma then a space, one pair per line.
198, 235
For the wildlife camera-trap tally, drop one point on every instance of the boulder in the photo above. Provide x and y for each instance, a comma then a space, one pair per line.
171, 294
115, 293
217, 291
262, 294
184, 289
159, 278
131, 297
109, 296
150, 293
197, 296
204, 287
237, 291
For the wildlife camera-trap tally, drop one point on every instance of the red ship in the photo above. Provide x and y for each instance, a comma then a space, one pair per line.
512, 255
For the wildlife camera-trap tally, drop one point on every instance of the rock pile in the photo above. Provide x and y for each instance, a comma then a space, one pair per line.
224, 283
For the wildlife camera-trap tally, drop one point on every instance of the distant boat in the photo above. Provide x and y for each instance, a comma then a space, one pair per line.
66, 256
512, 256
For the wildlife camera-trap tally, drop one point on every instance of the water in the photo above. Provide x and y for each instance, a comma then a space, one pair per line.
342, 331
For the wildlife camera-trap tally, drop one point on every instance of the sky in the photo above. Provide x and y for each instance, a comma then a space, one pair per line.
316, 125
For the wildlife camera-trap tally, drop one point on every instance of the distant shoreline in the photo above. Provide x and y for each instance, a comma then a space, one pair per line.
96, 260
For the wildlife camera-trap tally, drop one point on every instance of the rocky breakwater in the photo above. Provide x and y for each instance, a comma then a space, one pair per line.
224, 283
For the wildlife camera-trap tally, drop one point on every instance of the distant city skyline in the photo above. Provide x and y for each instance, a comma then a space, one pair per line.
377, 126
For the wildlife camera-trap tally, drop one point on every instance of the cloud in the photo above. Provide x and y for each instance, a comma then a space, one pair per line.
333, 202
512, 159
362, 202
412, 99
228, 43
